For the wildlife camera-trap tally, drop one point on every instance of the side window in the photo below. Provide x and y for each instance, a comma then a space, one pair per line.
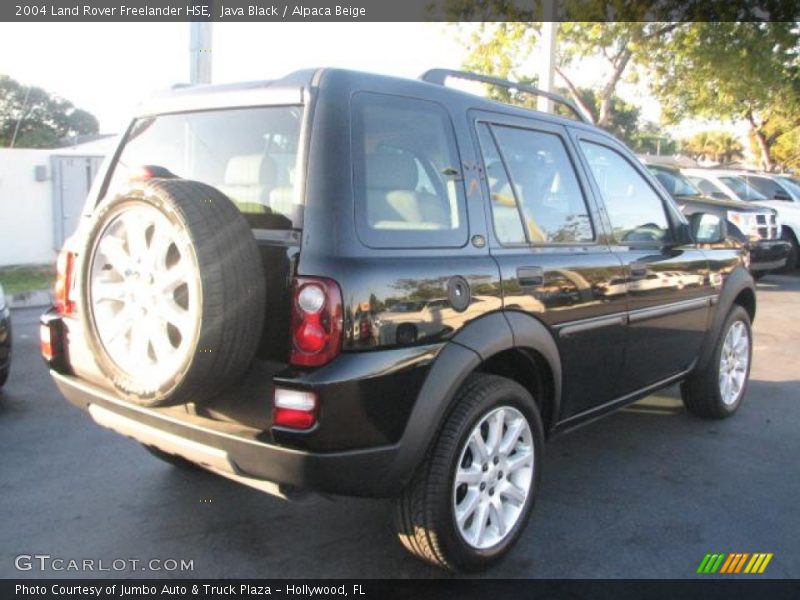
406, 174
704, 185
544, 188
505, 213
635, 210
765, 186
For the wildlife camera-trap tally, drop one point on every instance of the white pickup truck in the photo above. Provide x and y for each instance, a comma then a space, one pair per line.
766, 189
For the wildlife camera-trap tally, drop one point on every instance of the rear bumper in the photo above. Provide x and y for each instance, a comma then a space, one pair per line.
237, 452
768, 255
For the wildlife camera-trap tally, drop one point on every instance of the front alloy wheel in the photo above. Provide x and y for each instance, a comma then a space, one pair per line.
717, 388
734, 363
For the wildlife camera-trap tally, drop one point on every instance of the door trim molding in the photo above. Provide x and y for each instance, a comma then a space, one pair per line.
643, 314
633, 316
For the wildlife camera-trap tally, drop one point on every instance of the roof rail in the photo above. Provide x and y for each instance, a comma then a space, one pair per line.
438, 76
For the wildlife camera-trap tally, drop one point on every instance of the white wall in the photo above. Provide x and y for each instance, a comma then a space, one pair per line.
26, 208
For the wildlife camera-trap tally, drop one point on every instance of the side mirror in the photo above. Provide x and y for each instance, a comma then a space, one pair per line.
706, 228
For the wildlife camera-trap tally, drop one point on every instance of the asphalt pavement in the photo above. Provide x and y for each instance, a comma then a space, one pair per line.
646, 492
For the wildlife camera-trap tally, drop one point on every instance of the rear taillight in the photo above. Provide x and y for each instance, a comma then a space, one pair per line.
294, 409
316, 321
65, 268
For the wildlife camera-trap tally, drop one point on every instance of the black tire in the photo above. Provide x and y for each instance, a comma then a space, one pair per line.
701, 391
3, 376
231, 291
174, 460
794, 252
424, 514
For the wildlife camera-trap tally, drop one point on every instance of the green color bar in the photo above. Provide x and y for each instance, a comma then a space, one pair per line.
717, 564
702, 566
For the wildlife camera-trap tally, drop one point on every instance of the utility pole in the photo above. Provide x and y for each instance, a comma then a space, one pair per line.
548, 49
200, 52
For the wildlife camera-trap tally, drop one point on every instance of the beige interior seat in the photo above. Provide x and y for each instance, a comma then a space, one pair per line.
248, 182
392, 199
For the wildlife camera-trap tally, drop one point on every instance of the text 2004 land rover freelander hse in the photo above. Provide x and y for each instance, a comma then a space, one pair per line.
370, 286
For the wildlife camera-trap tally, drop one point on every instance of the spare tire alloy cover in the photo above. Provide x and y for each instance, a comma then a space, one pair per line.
173, 286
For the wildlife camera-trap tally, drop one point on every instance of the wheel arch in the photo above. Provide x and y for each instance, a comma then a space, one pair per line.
480, 346
793, 230
739, 289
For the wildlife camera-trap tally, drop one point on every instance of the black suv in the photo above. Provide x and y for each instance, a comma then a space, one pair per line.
754, 227
371, 286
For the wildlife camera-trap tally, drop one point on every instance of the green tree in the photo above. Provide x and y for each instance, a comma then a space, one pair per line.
622, 45
737, 71
30, 117
786, 150
782, 134
650, 138
622, 119
507, 50
717, 146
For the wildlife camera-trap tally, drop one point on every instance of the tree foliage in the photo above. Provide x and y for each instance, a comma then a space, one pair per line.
507, 50
716, 146
43, 118
782, 135
730, 71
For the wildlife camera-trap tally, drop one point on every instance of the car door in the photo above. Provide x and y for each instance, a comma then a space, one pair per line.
554, 265
669, 288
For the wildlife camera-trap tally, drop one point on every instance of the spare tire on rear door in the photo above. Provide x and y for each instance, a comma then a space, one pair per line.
172, 291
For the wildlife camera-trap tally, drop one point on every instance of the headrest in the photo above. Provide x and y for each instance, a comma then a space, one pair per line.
391, 172
249, 170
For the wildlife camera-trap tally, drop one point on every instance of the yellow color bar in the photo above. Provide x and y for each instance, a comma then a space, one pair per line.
756, 557
765, 563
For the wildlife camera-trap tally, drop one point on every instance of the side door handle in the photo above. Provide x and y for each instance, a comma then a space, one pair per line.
530, 276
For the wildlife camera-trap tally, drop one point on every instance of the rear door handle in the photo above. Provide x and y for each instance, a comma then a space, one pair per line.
530, 276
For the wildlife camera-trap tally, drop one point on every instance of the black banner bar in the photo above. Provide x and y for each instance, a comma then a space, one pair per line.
456, 589
396, 10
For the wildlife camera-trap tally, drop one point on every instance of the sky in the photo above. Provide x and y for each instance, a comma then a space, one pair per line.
108, 68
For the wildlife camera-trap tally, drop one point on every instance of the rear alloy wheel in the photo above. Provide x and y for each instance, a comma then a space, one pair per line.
470, 499
172, 290
493, 477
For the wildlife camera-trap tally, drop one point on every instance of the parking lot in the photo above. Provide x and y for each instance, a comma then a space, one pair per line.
646, 492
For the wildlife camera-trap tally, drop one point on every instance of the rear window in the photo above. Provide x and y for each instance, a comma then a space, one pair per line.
406, 174
248, 154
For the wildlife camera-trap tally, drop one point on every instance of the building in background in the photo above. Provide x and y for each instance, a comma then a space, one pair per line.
42, 193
